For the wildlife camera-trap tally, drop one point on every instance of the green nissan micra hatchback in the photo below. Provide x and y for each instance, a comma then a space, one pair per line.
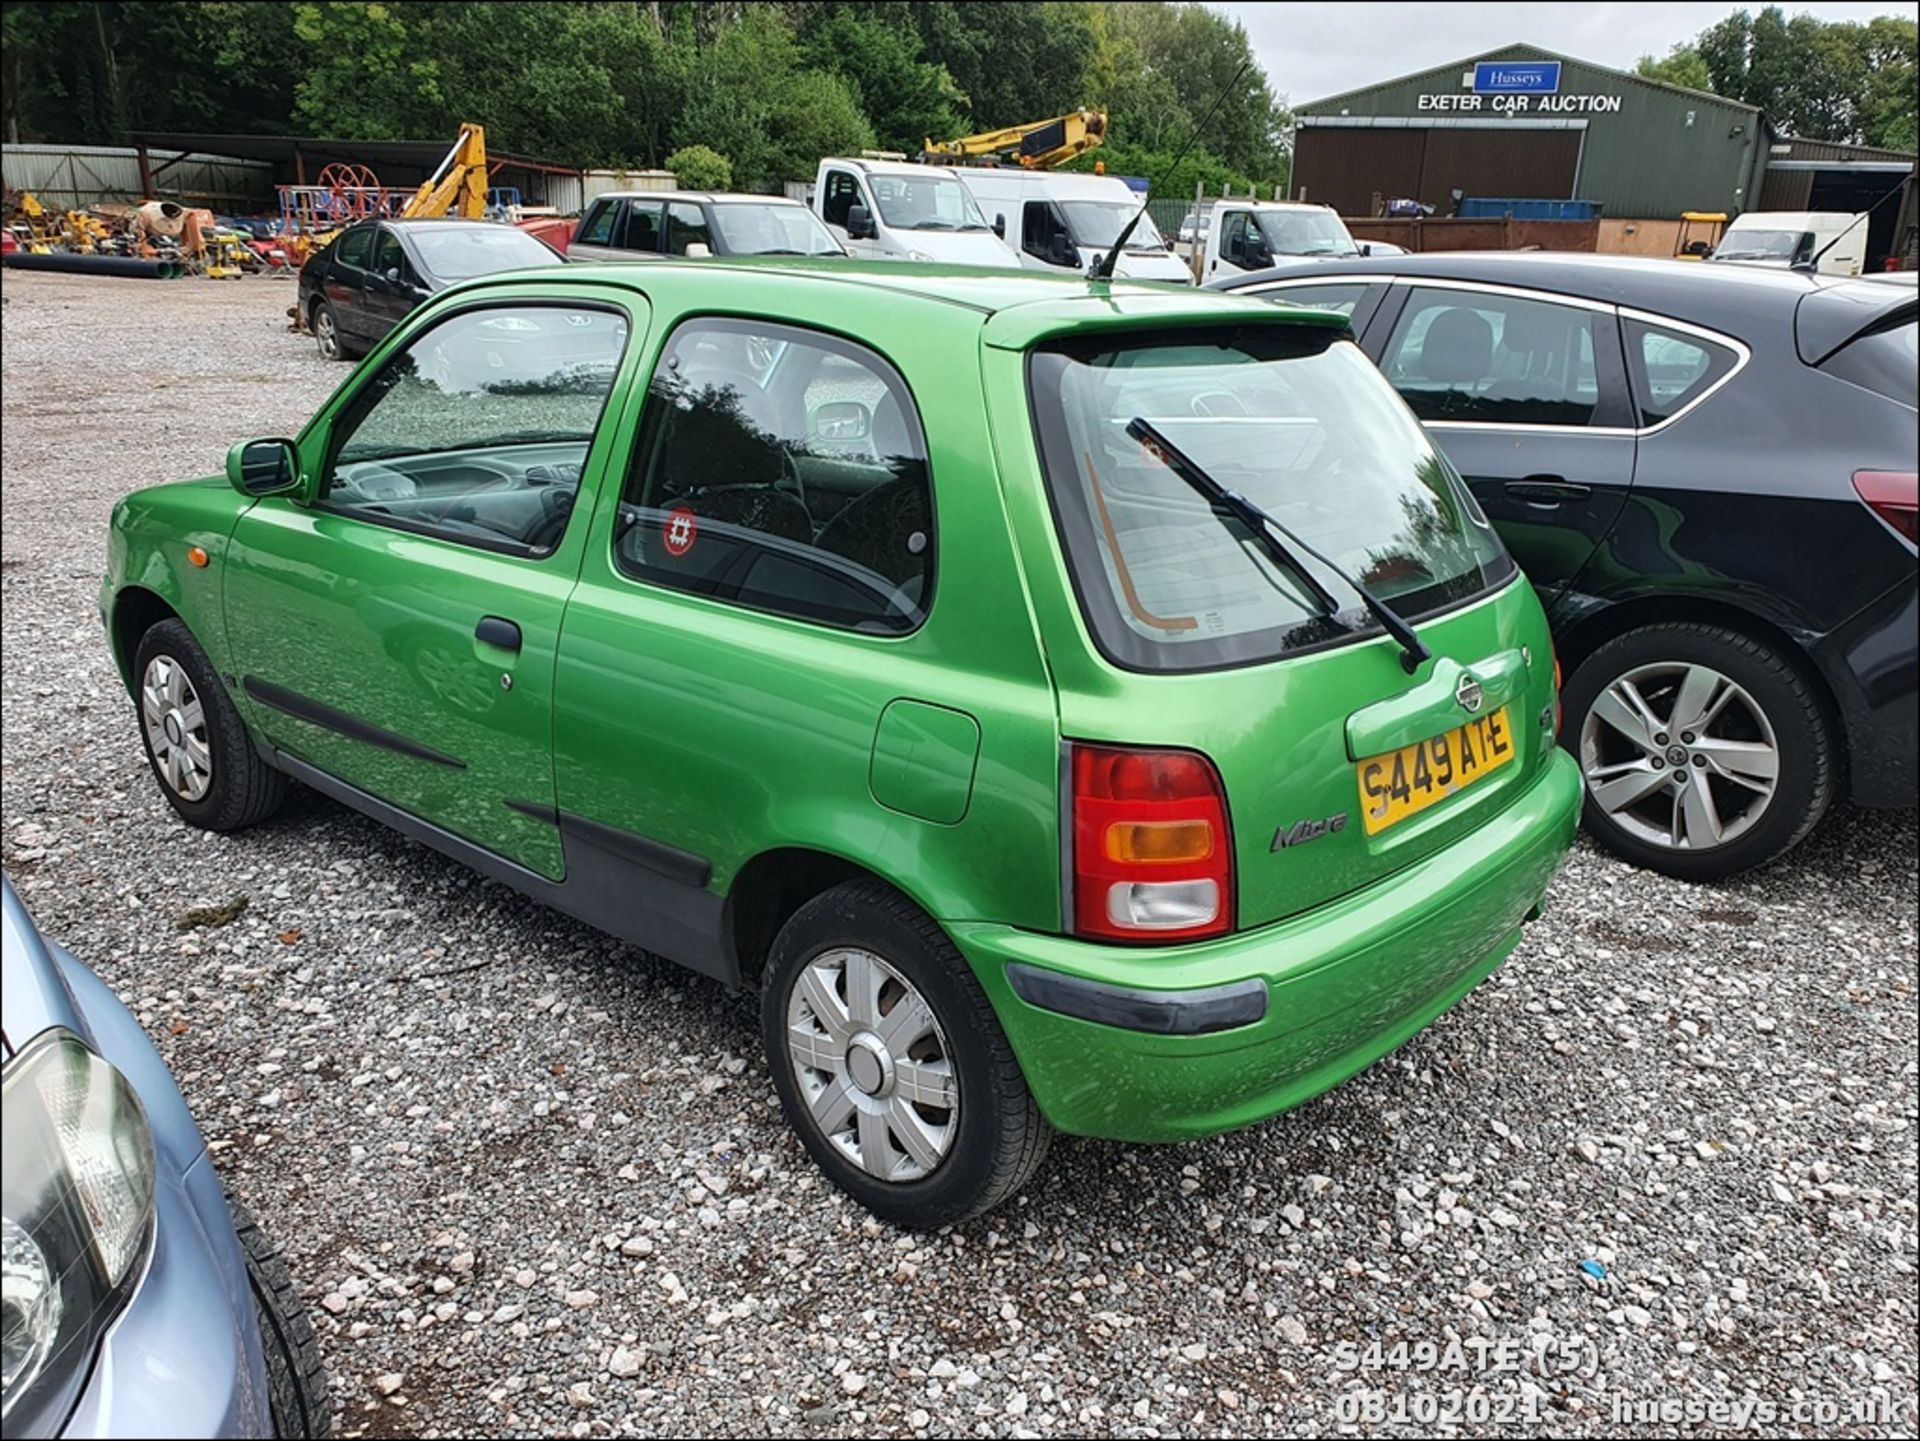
1077, 706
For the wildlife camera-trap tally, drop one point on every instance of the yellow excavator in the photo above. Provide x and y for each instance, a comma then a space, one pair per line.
459, 186
1038, 145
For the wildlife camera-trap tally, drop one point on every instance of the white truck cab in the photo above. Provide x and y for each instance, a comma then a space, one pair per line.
1062, 222
896, 210
1247, 235
1793, 237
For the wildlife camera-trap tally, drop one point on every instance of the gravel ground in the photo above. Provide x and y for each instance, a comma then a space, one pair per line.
532, 1181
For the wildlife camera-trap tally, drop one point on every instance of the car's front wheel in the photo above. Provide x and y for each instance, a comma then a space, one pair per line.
891, 1064
196, 741
1705, 752
296, 1379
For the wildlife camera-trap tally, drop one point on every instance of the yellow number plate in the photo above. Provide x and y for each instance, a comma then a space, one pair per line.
1405, 782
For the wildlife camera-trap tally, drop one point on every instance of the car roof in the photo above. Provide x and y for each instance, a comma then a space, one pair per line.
1044, 303
710, 197
1722, 296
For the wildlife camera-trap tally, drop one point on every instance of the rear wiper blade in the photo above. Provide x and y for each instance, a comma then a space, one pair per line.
1268, 531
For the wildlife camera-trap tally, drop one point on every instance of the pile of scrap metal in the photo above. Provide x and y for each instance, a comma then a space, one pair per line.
158, 240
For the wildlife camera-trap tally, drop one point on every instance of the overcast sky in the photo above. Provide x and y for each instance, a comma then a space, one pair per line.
1314, 50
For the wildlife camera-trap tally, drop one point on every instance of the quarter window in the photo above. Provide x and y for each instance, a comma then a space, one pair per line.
597, 228
478, 429
1498, 359
354, 247
1672, 370
387, 254
784, 470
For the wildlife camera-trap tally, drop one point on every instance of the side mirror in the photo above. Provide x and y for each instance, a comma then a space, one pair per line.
263, 467
1000, 226
860, 223
842, 420
696, 251
392, 276
1060, 250
1365, 249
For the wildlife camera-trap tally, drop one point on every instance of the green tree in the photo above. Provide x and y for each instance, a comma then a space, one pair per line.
366, 76
877, 50
1823, 80
697, 167
1682, 66
1012, 63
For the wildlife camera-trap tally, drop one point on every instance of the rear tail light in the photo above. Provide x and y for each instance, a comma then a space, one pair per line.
1152, 857
1894, 496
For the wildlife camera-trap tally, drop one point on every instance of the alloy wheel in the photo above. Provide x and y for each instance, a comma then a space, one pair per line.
325, 333
873, 1065
176, 725
1677, 755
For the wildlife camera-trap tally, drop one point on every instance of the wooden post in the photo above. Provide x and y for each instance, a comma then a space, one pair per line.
146, 172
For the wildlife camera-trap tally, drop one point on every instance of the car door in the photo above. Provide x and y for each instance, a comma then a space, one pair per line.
393, 623
1527, 395
637, 231
686, 227
345, 285
392, 286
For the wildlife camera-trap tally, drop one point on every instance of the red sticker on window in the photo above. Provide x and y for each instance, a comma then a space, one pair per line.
681, 529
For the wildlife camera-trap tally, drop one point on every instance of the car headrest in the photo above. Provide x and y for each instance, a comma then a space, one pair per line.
1458, 347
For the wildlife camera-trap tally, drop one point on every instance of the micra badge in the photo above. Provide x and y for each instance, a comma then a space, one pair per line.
1300, 832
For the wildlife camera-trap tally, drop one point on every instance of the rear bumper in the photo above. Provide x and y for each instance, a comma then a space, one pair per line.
1187, 1041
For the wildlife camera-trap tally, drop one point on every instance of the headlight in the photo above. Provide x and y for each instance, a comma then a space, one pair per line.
78, 1216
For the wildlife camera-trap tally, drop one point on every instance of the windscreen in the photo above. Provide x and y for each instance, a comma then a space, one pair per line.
748, 229
1094, 223
1299, 422
459, 252
1780, 245
926, 202
1304, 232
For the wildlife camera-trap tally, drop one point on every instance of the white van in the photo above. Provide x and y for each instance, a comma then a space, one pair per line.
1793, 237
1241, 236
895, 210
1068, 222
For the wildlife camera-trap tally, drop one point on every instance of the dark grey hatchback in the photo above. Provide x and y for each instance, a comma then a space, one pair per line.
1709, 474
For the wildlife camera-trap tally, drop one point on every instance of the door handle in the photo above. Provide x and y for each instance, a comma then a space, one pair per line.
1547, 491
495, 631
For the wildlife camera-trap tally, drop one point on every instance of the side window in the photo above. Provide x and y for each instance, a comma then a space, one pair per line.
686, 225
477, 430
355, 246
1038, 226
1671, 370
1233, 236
784, 470
597, 228
1497, 359
387, 254
642, 230
843, 193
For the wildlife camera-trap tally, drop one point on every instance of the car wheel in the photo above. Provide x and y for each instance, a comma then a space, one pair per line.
196, 741
1705, 752
296, 1378
328, 335
891, 1064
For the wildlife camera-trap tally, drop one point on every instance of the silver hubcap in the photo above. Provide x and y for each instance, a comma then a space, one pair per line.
872, 1065
1679, 756
323, 330
176, 728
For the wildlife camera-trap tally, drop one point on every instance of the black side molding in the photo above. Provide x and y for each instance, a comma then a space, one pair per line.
669, 861
307, 709
1164, 1013
533, 808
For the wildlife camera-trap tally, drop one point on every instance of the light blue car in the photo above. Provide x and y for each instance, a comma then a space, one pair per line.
134, 1299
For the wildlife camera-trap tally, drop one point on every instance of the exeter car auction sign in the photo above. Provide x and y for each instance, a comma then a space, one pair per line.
1518, 87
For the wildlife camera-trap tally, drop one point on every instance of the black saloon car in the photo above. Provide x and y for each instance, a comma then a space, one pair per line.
373, 273
1708, 472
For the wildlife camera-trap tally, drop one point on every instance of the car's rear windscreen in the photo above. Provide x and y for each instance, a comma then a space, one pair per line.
1885, 360
1298, 421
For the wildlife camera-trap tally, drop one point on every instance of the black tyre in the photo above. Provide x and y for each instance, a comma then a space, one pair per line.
328, 335
891, 1064
296, 1379
1705, 752
196, 742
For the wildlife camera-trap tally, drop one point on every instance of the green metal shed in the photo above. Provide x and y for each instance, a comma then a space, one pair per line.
1524, 122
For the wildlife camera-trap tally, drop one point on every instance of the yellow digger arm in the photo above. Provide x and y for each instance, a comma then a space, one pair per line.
459, 186
1039, 145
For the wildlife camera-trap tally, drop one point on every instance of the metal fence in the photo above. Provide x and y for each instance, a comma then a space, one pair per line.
73, 177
